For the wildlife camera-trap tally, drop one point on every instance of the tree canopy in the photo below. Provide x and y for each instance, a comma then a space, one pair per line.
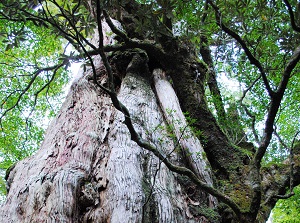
254, 45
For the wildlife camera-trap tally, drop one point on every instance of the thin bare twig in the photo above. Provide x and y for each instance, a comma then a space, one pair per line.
253, 122
36, 74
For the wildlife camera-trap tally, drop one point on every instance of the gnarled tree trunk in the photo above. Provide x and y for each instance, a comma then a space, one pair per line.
89, 170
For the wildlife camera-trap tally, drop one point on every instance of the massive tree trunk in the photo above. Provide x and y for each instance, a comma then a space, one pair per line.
90, 167
89, 170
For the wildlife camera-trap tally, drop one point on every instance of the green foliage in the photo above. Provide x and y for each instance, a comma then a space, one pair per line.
32, 77
33, 68
265, 28
288, 211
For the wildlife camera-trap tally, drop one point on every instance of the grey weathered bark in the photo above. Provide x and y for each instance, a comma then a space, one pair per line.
89, 170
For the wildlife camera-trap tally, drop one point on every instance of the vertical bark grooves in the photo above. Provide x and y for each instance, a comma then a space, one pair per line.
51, 179
221, 155
188, 142
136, 176
88, 169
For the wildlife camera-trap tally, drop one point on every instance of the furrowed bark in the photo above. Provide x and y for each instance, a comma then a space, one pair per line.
88, 169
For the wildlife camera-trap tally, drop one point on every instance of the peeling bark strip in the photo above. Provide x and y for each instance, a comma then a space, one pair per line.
189, 144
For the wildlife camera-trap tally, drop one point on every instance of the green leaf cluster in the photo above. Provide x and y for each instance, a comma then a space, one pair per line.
265, 28
288, 211
30, 91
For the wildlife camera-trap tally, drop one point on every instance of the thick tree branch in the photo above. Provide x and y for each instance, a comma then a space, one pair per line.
288, 70
212, 81
250, 56
292, 17
276, 98
268, 131
144, 144
114, 28
151, 48
286, 196
287, 175
274, 105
